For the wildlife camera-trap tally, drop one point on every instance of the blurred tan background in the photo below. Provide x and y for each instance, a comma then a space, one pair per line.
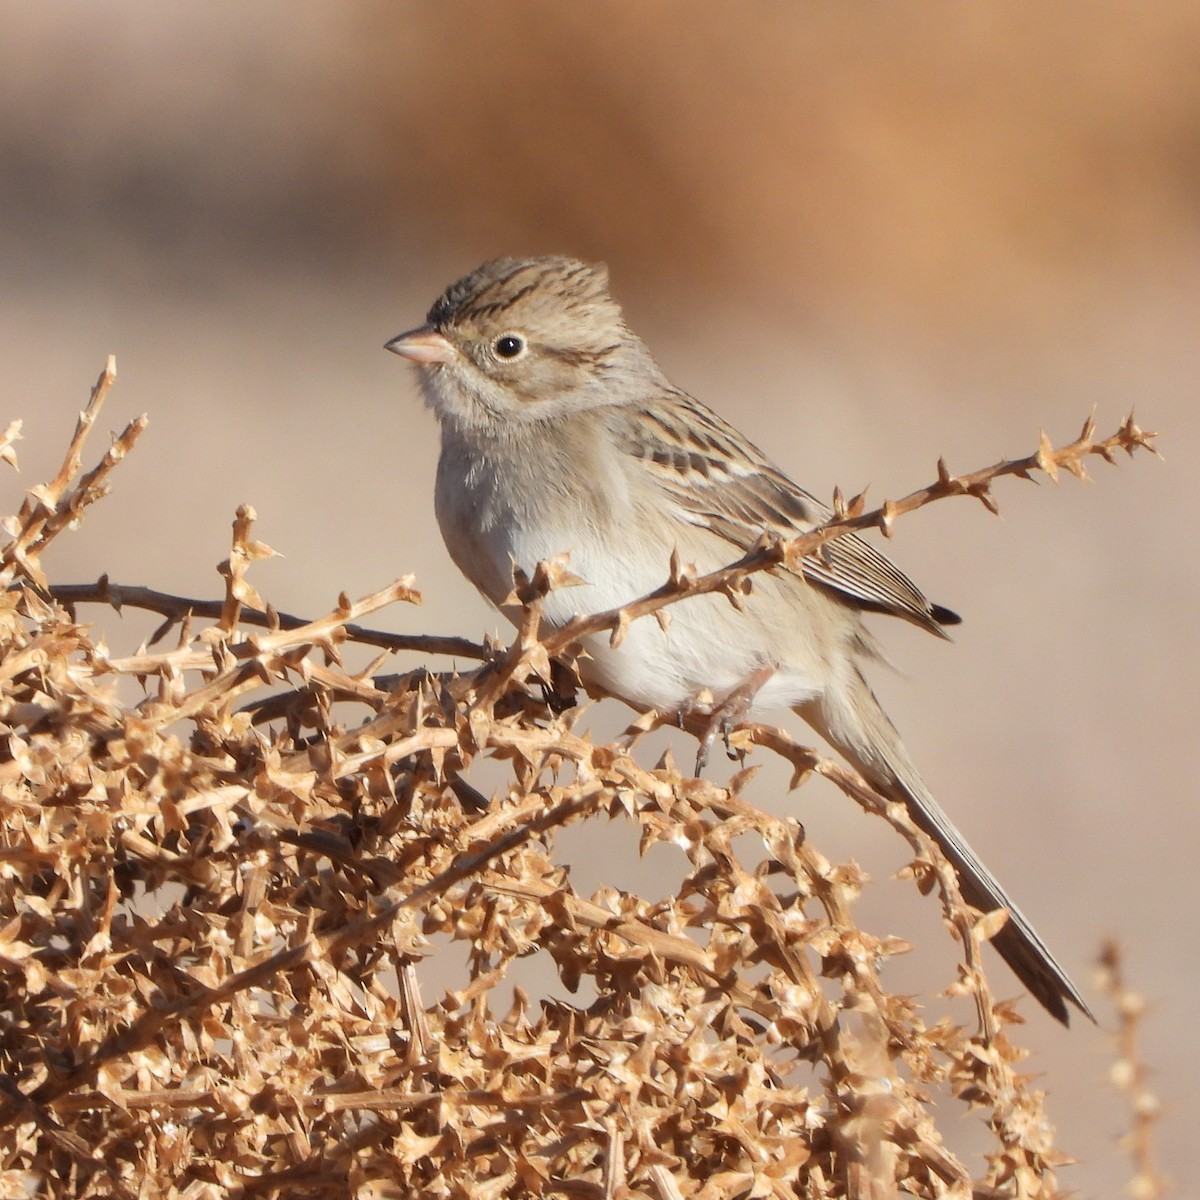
868, 234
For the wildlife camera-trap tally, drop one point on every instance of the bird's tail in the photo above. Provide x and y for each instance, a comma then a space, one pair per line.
852, 720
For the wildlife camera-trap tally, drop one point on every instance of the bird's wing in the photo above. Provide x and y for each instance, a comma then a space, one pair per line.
717, 479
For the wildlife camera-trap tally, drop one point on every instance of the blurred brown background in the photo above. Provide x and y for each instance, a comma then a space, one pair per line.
868, 234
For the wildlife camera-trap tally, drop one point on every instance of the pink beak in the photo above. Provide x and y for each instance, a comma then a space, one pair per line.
422, 346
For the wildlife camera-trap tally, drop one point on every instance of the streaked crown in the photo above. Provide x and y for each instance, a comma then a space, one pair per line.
526, 288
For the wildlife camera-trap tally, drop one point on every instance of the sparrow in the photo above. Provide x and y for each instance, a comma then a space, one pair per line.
560, 434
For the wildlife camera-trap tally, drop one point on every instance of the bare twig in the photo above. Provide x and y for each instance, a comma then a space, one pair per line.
177, 608
47, 509
1130, 1074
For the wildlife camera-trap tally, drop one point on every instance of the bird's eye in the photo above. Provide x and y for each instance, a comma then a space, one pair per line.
509, 345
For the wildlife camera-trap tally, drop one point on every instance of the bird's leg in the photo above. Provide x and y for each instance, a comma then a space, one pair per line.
730, 712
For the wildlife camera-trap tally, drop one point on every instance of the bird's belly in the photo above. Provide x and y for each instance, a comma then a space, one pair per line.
707, 645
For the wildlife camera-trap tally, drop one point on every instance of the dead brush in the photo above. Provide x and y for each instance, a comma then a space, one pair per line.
225, 855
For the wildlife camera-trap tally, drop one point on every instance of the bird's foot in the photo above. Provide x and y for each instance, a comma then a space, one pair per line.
724, 717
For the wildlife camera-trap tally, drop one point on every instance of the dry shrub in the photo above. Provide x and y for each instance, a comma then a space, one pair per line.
226, 863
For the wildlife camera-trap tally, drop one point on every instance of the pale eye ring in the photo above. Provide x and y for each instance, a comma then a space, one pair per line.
509, 346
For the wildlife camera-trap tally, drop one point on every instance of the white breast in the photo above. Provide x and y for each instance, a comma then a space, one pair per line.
621, 555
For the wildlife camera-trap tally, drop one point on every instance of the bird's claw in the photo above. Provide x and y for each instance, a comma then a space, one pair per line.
723, 718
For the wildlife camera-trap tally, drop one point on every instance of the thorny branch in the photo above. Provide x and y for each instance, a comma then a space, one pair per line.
49, 508
773, 552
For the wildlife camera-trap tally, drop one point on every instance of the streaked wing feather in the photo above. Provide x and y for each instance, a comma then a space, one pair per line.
718, 479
